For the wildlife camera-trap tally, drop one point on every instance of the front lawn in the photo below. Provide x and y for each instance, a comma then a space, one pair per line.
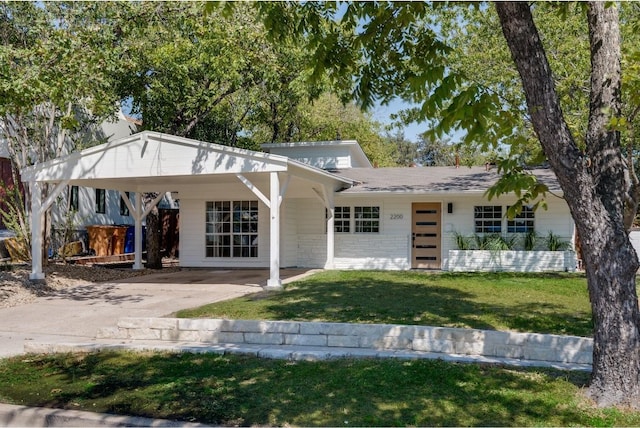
543, 303
237, 390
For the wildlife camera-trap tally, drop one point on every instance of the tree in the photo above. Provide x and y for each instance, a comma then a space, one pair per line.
406, 152
55, 84
594, 185
328, 118
382, 50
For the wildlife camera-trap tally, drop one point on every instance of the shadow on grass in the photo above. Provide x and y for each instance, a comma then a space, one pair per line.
483, 301
233, 390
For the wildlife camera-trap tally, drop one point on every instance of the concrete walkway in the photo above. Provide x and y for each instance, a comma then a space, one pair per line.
75, 314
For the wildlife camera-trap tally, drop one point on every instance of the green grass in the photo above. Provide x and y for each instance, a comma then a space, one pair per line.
236, 390
544, 303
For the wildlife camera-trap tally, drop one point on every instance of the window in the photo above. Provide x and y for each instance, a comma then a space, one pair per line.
367, 219
523, 222
342, 220
74, 198
101, 201
231, 229
488, 219
124, 209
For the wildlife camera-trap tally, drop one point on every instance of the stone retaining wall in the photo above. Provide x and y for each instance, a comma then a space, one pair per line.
527, 346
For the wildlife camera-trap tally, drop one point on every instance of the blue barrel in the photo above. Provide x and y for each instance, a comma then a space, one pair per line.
130, 240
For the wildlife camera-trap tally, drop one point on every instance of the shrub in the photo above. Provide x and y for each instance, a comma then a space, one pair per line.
555, 243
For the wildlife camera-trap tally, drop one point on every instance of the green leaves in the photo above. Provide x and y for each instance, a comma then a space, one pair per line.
516, 179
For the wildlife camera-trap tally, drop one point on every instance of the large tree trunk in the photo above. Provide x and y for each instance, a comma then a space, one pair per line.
154, 252
594, 187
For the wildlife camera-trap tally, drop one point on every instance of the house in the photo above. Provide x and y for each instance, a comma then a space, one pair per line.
317, 204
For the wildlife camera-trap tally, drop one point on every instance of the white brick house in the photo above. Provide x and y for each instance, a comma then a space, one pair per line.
316, 204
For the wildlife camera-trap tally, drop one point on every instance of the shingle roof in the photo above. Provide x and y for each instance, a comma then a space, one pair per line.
432, 179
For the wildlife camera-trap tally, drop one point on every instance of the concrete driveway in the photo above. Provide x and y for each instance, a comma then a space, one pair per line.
75, 314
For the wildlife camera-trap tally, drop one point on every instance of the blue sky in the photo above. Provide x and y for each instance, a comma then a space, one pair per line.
381, 114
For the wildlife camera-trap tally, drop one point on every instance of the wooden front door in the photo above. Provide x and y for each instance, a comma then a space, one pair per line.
426, 232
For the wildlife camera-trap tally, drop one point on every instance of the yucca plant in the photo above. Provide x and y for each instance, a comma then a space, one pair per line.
555, 242
494, 242
462, 242
531, 240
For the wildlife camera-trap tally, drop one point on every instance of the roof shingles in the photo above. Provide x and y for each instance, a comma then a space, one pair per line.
432, 179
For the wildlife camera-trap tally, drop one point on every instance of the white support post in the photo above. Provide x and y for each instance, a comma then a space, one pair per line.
274, 281
137, 258
331, 211
36, 232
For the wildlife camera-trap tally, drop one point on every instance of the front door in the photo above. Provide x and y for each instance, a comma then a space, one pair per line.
426, 253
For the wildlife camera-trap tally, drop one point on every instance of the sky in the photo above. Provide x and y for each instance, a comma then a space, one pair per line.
381, 114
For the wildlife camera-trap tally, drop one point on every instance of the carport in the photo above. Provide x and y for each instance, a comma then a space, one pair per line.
154, 162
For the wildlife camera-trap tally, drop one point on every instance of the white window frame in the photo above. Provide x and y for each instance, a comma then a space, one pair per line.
368, 214
231, 232
350, 222
486, 218
525, 220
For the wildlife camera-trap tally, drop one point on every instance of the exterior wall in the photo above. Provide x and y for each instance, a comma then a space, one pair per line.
556, 219
333, 157
303, 228
288, 233
390, 249
87, 209
192, 226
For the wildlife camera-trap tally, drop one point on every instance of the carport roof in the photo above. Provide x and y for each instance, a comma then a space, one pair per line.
152, 161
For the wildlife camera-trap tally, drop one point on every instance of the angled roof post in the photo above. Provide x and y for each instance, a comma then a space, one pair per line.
274, 282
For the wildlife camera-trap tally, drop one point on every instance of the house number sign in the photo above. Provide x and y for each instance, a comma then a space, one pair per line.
396, 216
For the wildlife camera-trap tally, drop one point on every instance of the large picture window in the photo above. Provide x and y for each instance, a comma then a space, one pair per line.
523, 222
367, 219
231, 229
488, 219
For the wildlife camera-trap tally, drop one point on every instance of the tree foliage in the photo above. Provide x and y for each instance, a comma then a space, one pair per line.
56, 80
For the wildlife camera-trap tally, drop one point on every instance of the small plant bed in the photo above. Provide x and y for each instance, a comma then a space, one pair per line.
246, 391
555, 303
